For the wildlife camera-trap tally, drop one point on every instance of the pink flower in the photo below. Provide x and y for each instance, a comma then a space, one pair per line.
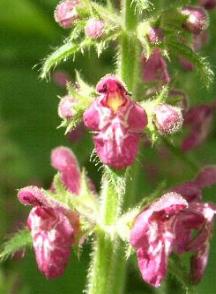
175, 224
117, 122
63, 159
155, 68
66, 107
153, 238
196, 19
155, 35
52, 235
53, 226
66, 13
94, 28
167, 118
208, 4
198, 119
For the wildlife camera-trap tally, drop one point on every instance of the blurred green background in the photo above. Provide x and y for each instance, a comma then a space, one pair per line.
28, 131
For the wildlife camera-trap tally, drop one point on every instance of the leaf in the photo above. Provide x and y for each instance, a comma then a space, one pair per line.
20, 240
67, 50
202, 64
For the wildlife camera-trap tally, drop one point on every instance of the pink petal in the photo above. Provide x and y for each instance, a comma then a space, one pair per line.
31, 195
52, 235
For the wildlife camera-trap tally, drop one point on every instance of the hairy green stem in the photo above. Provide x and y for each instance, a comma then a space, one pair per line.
108, 268
102, 279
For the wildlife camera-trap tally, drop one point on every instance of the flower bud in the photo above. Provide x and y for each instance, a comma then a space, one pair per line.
155, 35
63, 159
197, 19
94, 28
208, 4
52, 235
167, 118
65, 107
66, 13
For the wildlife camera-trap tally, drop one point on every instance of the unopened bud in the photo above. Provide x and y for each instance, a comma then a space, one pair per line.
197, 19
94, 28
168, 119
66, 13
65, 108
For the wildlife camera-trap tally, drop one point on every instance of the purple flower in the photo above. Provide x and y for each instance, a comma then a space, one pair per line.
66, 13
153, 239
94, 28
63, 159
208, 4
66, 107
53, 226
117, 122
155, 68
167, 118
198, 119
52, 235
196, 19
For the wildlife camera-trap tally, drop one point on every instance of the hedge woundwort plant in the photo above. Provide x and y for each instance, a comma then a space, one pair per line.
137, 100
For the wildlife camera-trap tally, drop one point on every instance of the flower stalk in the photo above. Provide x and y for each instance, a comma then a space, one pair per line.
108, 268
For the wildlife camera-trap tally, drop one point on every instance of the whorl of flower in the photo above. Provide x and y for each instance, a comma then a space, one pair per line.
198, 119
66, 13
155, 68
65, 107
117, 121
52, 235
153, 239
196, 19
155, 35
208, 4
167, 118
63, 159
94, 28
